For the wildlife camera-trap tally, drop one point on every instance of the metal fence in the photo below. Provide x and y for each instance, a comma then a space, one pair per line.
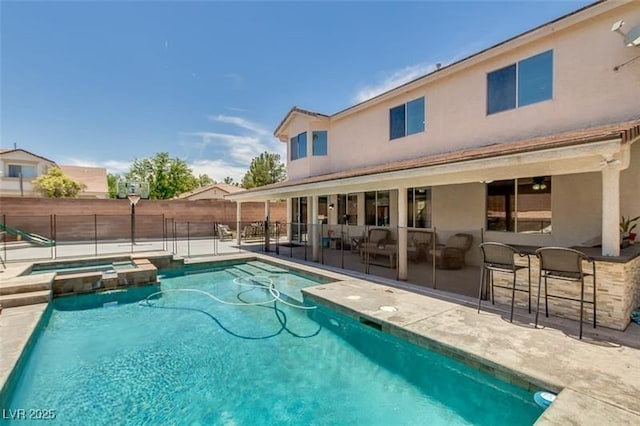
443, 258
446, 258
29, 238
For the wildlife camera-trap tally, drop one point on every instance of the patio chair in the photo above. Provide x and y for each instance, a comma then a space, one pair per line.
377, 237
452, 254
498, 257
418, 244
565, 264
224, 232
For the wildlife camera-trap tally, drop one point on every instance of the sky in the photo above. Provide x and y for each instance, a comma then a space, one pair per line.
103, 83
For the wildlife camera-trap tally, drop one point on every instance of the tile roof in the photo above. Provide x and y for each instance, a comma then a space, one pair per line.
627, 131
230, 189
9, 151
95, 178
295, 109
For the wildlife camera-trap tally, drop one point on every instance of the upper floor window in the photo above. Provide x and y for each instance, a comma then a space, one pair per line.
523, 83
319, 143
16, 170
520, 205
407, 119
299, 146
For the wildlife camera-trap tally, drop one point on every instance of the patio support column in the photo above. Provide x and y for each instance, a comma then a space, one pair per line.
238, 221
402, 233
267, 220
611, 211
314, 234
289, 218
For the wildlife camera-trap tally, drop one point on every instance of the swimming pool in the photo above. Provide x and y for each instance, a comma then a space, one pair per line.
183, 358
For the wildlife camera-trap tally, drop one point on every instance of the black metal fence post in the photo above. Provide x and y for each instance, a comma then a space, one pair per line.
55, 236
4, 227
95, 235
188, 241
53, 241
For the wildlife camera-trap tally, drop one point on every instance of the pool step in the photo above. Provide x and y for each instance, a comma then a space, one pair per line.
23, 299
251, 270
266, 267
238, 272
26, 290
26, 284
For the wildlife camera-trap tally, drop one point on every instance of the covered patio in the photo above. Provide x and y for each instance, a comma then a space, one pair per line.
567, 189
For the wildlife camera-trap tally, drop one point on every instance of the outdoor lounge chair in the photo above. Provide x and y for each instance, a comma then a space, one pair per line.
451, 255
378, 244
418, 244
224, 232
377, 237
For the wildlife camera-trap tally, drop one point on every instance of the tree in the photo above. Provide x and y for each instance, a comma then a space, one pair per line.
204, 180
112, 183
55, 184
264, 170
229, 181
167, 177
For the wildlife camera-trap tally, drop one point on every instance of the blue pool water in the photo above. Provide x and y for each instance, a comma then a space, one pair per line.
184, 358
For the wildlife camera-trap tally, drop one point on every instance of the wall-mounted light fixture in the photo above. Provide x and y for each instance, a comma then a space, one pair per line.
631, 38
538, 184
331, 206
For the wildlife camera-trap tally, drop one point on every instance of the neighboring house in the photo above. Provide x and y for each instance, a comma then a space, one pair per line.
533, 140
213, 191
95, 179
20, 168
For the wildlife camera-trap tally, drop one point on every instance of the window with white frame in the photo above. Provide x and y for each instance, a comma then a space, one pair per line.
520, 205
319, 143
298, 146
17, 170
407, 119
526, 82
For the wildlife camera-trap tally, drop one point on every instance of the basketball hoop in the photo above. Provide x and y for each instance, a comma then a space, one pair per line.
133, 199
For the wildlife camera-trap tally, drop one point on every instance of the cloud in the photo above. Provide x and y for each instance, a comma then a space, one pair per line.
233, 149
393, 80
240, 122
234, 109
218, 169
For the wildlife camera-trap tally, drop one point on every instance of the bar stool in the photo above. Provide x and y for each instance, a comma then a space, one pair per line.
498, 257
564, 264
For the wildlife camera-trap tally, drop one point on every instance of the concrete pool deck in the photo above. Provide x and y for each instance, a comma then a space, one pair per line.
599, 380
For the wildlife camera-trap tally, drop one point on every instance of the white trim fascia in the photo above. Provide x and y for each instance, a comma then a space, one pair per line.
556, 161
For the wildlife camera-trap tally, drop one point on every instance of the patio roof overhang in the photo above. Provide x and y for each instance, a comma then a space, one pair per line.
577, 151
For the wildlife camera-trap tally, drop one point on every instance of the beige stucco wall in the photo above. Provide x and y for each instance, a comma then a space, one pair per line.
11, 186
587, 91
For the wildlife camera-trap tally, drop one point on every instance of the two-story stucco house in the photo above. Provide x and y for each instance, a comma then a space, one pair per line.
533, 142
19, 168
